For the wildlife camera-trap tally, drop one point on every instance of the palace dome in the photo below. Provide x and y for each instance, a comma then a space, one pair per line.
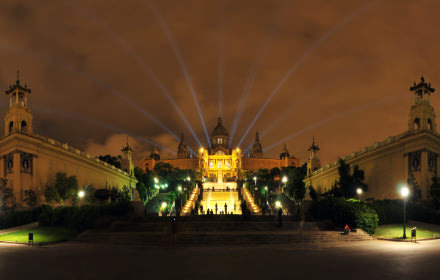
219, 130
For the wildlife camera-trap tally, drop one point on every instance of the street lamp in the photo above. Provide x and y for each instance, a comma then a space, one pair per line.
156, 180
179, 188
278, 204
255, 180
188, 178
266, 189
404, 191
81, 194
284, 180
359, 192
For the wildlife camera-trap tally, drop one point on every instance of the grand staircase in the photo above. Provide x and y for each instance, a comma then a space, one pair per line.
190, 203
216, 230
250, 202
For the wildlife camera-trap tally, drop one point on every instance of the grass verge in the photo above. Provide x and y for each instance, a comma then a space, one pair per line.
395, 231
41, 235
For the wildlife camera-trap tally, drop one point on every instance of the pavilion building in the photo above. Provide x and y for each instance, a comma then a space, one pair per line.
410, 157
30, 161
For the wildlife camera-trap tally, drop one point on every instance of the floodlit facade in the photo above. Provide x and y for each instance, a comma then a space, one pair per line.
30, 161
221, 163
411, 156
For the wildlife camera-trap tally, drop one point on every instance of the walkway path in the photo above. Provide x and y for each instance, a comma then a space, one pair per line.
23, 227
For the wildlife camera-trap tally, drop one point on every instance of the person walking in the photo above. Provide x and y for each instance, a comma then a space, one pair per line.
201, 209
216, 208
226, 208
280, 217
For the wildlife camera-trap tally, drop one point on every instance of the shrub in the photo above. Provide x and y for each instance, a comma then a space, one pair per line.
342, 212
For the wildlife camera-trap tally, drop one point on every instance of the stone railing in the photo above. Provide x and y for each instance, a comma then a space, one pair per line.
375, 146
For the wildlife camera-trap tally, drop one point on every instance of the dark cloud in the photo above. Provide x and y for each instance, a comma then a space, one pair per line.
84, 58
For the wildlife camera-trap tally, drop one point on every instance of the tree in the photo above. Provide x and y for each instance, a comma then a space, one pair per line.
115, 161
435, 192
416, 192
30, 198
67, 187
89, 191
349, 183
295, 184
64, 188
345, 180
313, 193
51, 195
125, 194
6, 194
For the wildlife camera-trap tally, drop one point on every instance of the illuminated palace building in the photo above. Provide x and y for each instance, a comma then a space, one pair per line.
220, 163
221, 166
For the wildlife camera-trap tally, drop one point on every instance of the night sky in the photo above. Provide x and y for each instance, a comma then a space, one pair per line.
90, 63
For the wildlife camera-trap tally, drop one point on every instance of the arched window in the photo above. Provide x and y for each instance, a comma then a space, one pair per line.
430, 124
417, 123
11, 126
23, 126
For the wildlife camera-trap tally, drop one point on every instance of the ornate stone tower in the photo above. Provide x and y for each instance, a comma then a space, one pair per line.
257, 148
182, 150
313, 163
19, 117
285, 153
220, 139
422, 115
127, 162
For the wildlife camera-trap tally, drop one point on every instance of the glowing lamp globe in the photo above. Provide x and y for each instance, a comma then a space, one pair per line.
404, 191
359, 191
284, 180
81, 194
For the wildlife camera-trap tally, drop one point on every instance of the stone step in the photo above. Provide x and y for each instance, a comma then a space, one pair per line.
218, 238
220, 226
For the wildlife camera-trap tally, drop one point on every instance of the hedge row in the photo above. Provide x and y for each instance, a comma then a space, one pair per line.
391, 212
18, 218
83, 217
341, 212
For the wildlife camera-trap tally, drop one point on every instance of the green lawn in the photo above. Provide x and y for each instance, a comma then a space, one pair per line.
41, 235
395, 231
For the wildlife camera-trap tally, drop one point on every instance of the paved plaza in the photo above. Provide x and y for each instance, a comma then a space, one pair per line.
339, 260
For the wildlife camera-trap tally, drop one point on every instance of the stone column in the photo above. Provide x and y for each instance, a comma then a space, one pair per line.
424, 180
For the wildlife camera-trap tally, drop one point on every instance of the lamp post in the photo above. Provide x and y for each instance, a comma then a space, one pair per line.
284, 180
404, 191
266, 190
81, 194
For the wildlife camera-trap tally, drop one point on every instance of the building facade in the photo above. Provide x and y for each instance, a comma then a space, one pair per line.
411, 156
30, 161
220, 162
